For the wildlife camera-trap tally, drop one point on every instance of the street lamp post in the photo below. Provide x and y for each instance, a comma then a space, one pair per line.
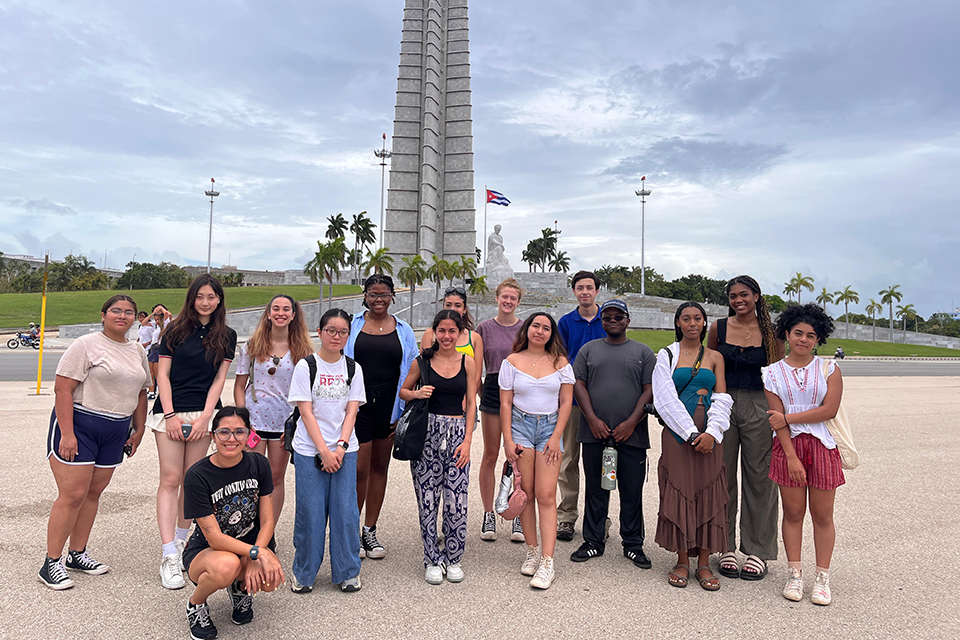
643, 193
383, 154
213, 194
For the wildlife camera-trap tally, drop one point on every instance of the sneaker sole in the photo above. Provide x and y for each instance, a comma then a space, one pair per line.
102, 569
174, 586
489, 536
376, 554
59, 586
241, 623
454, 580
541, 585
517, 537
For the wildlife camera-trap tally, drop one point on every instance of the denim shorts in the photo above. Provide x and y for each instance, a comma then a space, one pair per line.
532, 430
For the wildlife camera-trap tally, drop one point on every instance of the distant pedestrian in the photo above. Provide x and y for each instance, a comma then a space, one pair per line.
145, 338
99, 412
498, 334
804, 391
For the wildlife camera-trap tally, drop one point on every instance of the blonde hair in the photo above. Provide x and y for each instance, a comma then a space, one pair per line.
258, 348
512, 284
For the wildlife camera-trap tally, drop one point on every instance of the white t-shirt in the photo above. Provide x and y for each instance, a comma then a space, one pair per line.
158, 328
271, 409
329, 396
801, 389
111, 374
534, 395
145, 334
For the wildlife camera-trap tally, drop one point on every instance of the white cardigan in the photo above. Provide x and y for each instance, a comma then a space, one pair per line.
672, 410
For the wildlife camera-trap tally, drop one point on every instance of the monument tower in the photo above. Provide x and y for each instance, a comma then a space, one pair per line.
430, 198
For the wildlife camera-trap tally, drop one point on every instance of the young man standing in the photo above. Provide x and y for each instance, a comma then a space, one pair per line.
576, 328
614, 381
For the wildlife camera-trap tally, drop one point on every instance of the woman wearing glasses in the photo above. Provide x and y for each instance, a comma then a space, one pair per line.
325, 451
101, 386
469, 343
385, 347
264, 370
195, 353
229, 494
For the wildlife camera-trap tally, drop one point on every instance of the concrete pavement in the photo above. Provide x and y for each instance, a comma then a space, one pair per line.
893, 573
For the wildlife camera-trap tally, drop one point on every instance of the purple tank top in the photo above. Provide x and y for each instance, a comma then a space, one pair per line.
497, 342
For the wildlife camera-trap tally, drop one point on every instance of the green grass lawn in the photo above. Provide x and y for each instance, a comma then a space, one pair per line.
17, 310
657, 340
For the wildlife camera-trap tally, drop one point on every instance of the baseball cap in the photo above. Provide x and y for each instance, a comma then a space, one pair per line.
615, 303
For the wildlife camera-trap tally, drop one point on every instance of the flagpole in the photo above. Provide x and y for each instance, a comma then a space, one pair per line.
483, 250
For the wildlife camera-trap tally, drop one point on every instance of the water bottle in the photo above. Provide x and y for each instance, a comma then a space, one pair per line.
506, 488
608, 468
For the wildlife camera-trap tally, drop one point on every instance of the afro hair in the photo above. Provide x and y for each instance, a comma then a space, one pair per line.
810, 314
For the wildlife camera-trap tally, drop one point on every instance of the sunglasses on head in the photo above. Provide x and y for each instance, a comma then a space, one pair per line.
457, 289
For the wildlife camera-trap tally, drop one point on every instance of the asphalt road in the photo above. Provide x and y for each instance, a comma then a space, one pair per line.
21, 366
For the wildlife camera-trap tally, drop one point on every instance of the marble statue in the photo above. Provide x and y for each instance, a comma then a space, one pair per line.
498, 267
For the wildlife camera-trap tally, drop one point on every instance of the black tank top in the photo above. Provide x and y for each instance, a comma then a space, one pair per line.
741, 364
380, 356
448, 393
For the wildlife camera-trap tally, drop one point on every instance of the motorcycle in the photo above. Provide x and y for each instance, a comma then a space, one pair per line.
839, 354
24, 339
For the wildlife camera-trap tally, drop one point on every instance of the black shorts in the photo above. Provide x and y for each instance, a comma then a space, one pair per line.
270, 435
490, 394
195, 545
373, 418
153, 353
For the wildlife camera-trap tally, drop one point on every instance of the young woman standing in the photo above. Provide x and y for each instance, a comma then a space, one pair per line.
498, 335
264, 369
804, 391
229, 494
536, 396
688, 385
384, 346
195, 353
160, 317
325, 449
145, 338
100, 388
747, 343
469, 342
443, 470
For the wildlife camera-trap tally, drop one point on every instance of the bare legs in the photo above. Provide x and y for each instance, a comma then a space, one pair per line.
821, 512
79, 488
175, 458
490, 424
539, 482
373, 464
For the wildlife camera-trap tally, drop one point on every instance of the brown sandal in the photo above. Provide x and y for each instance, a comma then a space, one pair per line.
709, 584
675, 579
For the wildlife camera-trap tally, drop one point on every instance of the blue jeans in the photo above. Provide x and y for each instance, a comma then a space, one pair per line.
323, 497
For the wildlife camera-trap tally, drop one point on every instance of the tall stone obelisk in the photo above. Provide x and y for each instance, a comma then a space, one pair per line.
430, 199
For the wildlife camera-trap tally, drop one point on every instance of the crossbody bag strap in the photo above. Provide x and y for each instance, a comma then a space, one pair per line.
253, 389
693, 371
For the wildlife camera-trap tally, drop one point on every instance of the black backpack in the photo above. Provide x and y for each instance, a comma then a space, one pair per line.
290, 425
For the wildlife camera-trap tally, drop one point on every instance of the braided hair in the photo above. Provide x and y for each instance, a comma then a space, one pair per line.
377, 278
763, 316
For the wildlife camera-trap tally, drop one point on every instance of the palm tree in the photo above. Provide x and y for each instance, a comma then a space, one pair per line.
438, 271
378, 262
874, 308
533, 254
906, 311
560, 262
325, 264
799, 282
825, 297
790, 288
337, 227
889, 296
456, 272
362, 229
413, 273
468, 268
478, 287
847, 296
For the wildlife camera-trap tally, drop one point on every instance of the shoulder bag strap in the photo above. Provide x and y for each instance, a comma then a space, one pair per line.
693, 371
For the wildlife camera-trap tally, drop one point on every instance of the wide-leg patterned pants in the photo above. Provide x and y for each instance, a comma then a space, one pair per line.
435, 476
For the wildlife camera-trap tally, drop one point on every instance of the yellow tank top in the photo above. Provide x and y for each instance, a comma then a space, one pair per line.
467, 348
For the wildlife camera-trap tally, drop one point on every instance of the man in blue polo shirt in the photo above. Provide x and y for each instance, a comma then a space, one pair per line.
576, 328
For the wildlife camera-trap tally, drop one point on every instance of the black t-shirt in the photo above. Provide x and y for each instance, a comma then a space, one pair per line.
232, 495
191, 373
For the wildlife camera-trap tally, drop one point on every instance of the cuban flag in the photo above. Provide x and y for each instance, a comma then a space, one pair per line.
497, 198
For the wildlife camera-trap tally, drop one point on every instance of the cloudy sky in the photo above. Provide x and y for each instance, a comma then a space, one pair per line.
819, 137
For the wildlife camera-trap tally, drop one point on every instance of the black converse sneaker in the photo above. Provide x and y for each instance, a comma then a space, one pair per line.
54, 575
371, 545
201, 626
80, 561
242, 604
488, 530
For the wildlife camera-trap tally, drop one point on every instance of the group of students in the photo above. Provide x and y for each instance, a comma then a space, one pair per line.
552, 392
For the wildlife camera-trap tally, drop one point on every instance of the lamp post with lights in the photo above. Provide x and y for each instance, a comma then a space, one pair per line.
643, 193
384, 155
213, 194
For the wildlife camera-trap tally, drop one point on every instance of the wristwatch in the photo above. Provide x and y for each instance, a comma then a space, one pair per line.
254, 552
344, 444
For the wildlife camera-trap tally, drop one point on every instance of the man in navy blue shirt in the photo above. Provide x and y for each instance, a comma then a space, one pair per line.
576, 328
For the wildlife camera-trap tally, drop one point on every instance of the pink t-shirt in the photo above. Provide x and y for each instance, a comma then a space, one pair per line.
497, 342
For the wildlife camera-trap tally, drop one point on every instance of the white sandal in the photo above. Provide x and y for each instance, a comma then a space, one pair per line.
729, 565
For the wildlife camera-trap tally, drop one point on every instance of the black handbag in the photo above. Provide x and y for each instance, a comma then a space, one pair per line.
411, 433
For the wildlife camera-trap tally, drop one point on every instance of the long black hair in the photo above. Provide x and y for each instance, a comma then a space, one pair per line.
763, 315
676, 319
217, 340
334, 313
443, 314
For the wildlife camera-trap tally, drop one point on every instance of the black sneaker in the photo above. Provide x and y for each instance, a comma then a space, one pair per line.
242, 604
565, 531
371, 545
201, 626
80, 561
638, 558
54, 575
586, 551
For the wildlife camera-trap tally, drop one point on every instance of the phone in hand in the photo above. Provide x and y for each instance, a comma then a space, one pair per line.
128, 449
187, 430
253, 440
318, 461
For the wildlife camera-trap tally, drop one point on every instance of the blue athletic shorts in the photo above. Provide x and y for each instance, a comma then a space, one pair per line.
100, 437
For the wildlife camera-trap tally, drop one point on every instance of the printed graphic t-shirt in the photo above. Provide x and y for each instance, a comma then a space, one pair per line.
329, 396
232, 495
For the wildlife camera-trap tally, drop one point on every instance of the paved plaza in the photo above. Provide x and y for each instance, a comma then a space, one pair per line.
893, 576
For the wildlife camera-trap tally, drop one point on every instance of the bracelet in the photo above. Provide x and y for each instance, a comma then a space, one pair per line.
785, 420
169, 415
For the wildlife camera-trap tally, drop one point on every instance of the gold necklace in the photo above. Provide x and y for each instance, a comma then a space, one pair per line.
538, 359
747, 332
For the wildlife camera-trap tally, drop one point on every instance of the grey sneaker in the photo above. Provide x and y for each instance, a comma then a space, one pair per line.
350, 585
296, 587
565, 531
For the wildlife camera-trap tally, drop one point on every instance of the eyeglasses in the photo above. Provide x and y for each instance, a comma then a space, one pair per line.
333, 333
378, 296
276, 362
616, 318
238, 434
117, 311
459, 290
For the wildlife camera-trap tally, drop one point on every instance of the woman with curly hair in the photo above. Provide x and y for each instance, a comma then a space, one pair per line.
746, 341
264, 370
536, 395
804, 391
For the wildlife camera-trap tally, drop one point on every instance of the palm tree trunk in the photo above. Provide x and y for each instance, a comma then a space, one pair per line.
892, 334
846, 312
413, 297
330, 292
874, 319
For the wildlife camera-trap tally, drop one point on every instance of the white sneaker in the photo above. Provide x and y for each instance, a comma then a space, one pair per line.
433, 574
455, 573
170, 574
181, 545
545, 574
821, 589
793, 590
532, 561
